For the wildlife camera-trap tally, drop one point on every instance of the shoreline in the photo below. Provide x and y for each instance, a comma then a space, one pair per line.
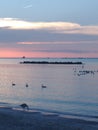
50, 112
14, 119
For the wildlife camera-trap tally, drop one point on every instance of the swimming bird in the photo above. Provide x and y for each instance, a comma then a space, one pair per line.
24, 106
43, 86
27, 85
13, 84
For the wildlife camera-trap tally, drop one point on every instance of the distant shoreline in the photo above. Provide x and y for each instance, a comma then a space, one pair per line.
47, 62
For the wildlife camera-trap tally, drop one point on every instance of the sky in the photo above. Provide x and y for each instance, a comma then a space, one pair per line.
49, 28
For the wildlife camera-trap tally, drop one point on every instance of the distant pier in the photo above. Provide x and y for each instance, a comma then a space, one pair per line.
47, 62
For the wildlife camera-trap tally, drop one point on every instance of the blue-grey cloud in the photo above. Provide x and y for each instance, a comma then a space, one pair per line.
46, 39
10, 35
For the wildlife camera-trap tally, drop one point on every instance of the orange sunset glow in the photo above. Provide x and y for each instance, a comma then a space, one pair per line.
14, 53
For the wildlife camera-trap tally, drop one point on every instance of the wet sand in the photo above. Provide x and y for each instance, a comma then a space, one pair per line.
24, 120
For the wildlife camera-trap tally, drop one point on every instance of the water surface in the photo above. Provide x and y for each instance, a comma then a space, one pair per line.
68, 90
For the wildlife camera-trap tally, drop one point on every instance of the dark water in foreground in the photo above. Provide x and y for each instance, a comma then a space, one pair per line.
71, 89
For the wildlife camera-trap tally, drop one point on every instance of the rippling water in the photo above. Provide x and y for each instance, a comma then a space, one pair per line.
70, 89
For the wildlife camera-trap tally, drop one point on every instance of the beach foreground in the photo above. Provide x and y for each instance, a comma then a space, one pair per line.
23, 120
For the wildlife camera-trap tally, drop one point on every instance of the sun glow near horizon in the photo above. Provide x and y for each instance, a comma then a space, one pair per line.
14, 54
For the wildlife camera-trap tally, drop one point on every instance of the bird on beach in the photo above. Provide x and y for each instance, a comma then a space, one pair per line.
24, 106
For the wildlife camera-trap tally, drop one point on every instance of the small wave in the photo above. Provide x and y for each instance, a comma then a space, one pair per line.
65, 114
5, 105
66, 102
53, 113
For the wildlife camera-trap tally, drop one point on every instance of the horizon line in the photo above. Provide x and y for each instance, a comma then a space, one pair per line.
24, 57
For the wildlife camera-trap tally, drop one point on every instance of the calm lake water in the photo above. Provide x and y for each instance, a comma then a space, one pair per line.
71, 89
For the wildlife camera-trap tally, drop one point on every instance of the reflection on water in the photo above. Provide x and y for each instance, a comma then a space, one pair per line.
66, 90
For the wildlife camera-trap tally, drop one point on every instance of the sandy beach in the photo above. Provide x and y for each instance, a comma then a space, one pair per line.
24, 120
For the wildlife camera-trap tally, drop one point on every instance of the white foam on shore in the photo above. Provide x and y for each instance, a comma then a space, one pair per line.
79, 117
48, 113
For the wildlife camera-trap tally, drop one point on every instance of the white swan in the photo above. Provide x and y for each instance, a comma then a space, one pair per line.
43, 86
